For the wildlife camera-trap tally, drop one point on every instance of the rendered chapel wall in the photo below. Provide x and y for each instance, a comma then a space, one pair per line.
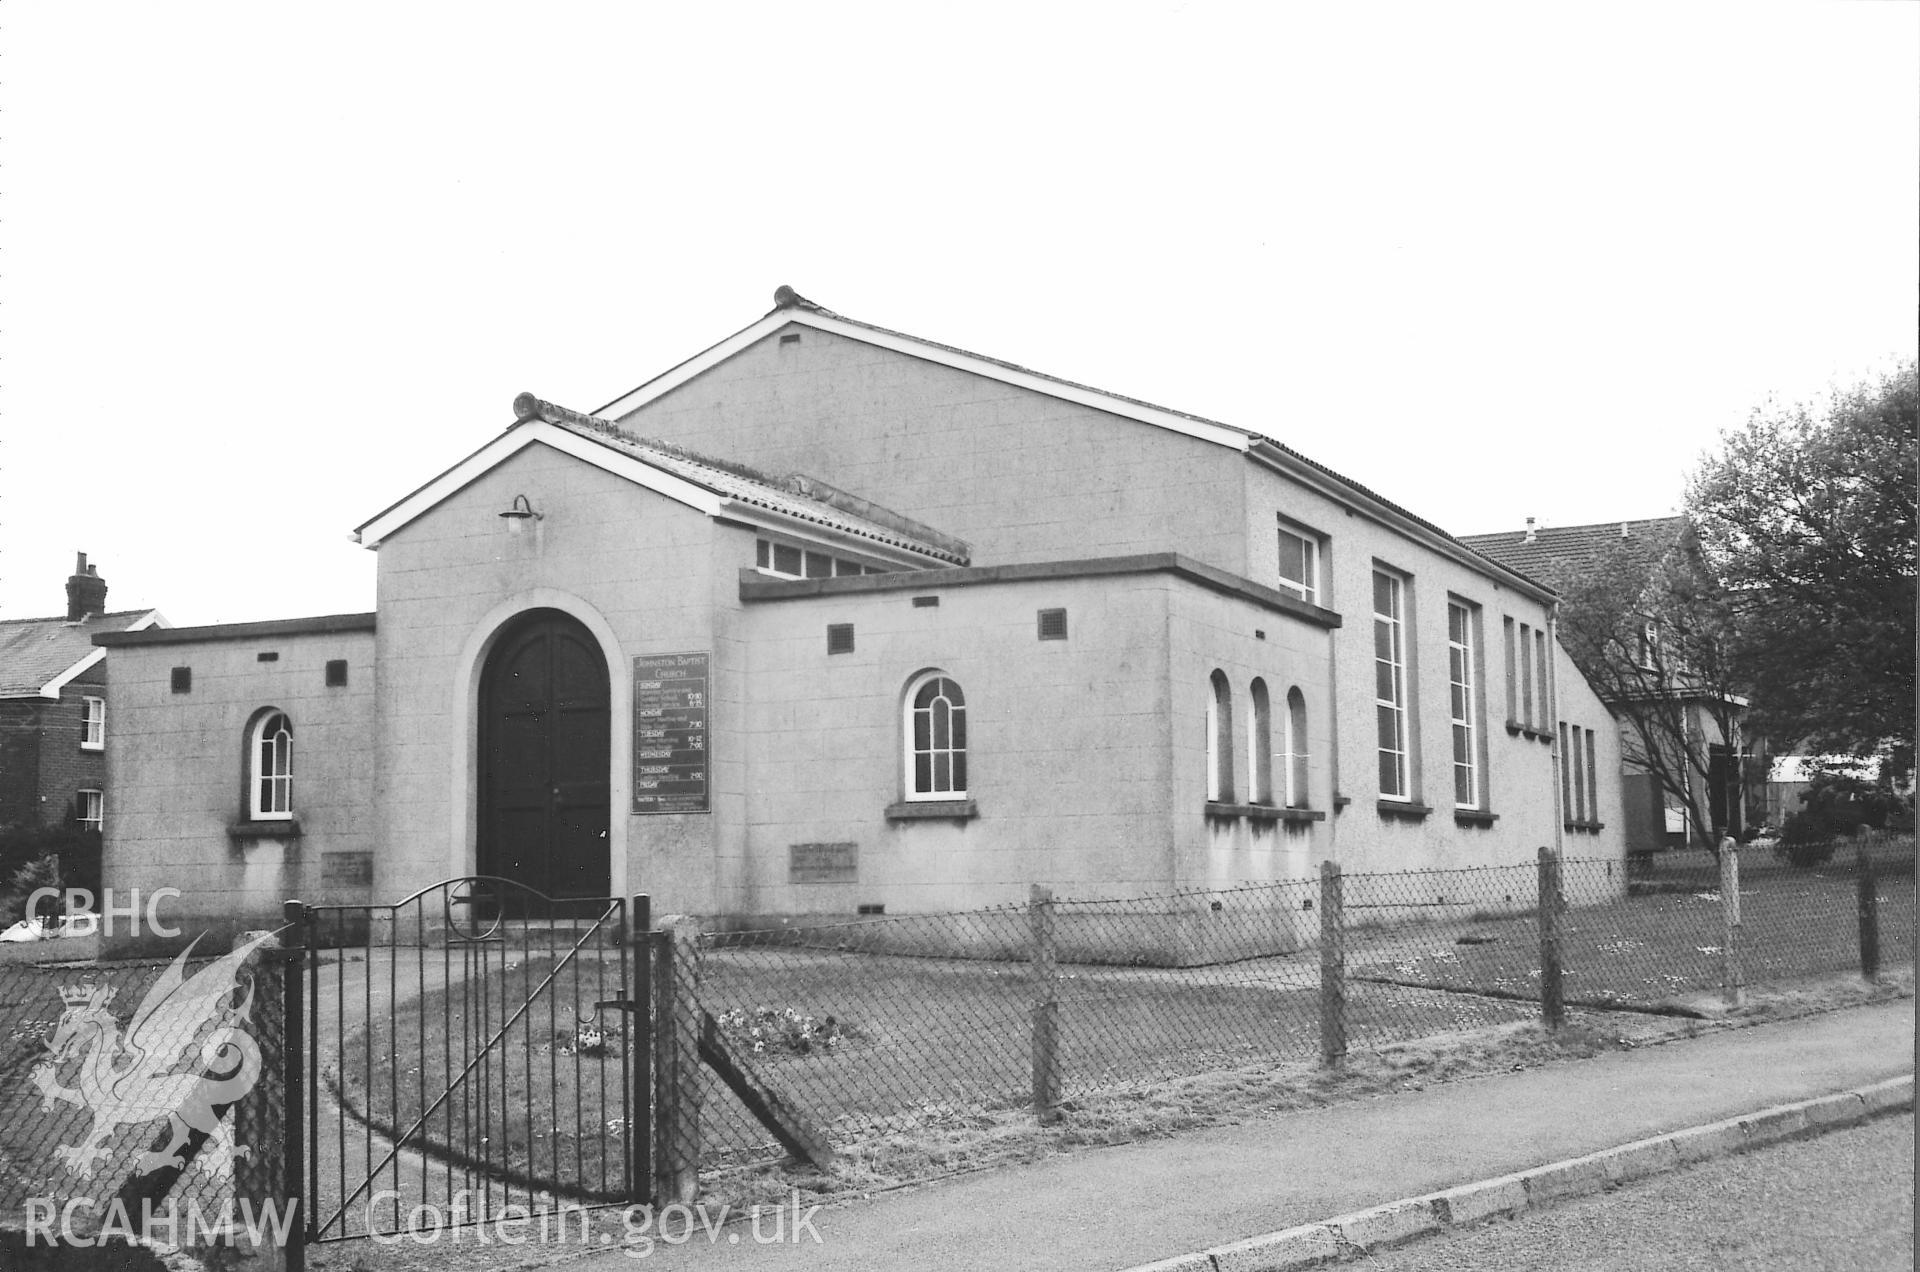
1068, 758
1020, 475
1517, 773
177, 785
639, 569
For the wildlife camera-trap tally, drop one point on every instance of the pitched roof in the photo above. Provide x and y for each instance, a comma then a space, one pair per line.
791, 307
1555, 555
39, 655
711, 485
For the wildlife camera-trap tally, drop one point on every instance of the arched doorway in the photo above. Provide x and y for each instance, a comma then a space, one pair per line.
545, 757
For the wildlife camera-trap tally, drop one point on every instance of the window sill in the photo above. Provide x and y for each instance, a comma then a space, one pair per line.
933, 810
1404, 810
1264, 812
93, 747
1587, 827
1516, 728
288, 829
1474, 817
1340, 803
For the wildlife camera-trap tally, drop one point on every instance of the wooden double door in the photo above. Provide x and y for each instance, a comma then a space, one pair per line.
545, 758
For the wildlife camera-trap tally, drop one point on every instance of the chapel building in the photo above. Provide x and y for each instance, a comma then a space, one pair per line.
832, 620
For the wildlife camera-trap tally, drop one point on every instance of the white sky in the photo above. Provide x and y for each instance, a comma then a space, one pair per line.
268, 267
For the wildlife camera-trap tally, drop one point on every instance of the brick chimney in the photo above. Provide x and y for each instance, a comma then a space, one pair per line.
86, 591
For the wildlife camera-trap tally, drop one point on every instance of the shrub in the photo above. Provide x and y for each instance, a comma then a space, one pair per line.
1807, 838
75, 853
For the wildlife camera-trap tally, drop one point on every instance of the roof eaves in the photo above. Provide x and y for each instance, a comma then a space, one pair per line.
144, 621
861, 522
1352, 492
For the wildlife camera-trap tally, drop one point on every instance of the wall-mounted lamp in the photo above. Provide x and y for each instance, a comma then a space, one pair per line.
519, 514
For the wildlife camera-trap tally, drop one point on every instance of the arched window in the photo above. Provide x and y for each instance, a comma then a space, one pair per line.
936, 736
1296, 741
270, 767
1259, 746
1220, 741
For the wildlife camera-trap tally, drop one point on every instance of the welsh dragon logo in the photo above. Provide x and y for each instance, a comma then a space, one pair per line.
184, 1052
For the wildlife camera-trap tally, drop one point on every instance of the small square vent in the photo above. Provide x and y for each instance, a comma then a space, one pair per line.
1053, 624
336, 672
839, 638
183, 680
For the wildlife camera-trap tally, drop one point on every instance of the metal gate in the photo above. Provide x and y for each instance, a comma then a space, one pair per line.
476, 1052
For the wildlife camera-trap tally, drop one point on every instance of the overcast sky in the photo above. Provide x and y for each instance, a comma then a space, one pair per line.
268, 267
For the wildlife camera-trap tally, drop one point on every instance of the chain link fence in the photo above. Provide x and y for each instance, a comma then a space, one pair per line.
895, 1025
144, 1096
807, 1038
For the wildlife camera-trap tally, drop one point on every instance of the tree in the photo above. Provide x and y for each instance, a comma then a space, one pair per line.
1807, 516
1654, 633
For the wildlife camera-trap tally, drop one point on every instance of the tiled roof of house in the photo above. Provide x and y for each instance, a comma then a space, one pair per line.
37, 651
794, 495
1555, 555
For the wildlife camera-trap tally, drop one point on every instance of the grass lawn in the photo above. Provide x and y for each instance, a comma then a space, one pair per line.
542, 1106
1658, 945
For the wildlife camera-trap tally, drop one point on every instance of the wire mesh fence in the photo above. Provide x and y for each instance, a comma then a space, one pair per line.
146, 1090
900, 1027
889, 1025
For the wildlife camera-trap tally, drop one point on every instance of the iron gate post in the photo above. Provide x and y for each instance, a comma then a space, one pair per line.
293, 1050
639, 989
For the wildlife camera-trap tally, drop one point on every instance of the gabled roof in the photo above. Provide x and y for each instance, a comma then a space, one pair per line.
792, 308
716, 487
39, 656
1556, 555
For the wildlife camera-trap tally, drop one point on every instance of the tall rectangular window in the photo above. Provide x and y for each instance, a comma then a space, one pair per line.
90, 808
1513, 673
1575, 762
1526, 676
1463, 706
1300, 563
1566, 779
1542, 670
93, 730
1593, 788
1390, 683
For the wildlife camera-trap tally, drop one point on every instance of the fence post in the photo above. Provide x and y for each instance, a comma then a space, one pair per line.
640, 1125
1333, 967
676, 1060
1046, 1008
1869, 916
293, 1057
1732, 979
1553, 1008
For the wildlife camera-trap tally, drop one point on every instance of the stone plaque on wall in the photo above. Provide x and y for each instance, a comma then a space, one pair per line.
823, 863
348, 869
670, 733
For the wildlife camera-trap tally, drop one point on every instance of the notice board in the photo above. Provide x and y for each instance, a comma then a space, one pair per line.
670, 696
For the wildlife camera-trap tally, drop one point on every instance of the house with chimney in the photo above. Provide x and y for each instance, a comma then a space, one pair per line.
829, 620
55, 719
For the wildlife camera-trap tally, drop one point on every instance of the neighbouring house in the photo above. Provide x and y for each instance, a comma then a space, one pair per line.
54, 730
833, 620
1642, 673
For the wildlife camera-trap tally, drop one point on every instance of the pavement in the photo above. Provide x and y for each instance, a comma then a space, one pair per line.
1292, 1189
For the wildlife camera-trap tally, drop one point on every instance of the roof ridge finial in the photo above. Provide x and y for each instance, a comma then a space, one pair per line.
784, 297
